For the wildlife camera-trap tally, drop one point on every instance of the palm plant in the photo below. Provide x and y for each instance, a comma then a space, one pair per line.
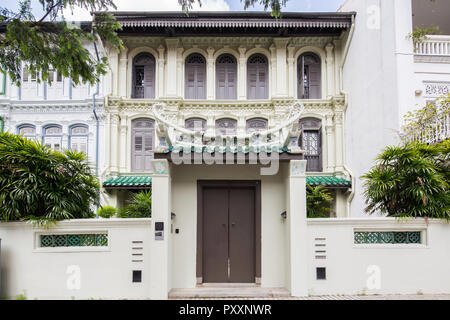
318, 202
39, 184
410, 181
139, 206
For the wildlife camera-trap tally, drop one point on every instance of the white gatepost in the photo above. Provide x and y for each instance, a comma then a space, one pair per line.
160, 249
296, 222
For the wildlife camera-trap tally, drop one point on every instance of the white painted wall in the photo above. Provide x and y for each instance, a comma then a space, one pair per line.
106, 272
404, 269
184, 205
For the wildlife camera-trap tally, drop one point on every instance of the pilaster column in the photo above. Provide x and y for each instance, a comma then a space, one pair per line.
160, 76
339, 135
123, 142
298, 246
42, 88
281, 71
123, 83
14, 90
180, 66
291, 73
337, 66
330, 69
114, 65
210, 87
273, 71
331, 152
171, 78
114, 142
160, 268
242, 74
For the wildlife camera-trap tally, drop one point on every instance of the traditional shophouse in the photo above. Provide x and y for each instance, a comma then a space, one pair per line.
248, 92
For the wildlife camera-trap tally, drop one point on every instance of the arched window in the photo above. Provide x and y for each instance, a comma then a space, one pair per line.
226, 127
257, 77
195, 124
256, 124
195, 77
311, 143
143, 136
27, 130
52, 137
309, 76
78, 138
226, 77
143, 76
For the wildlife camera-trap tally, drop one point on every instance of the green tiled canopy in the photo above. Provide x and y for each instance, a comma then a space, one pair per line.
146, 181
328, 181
129, 181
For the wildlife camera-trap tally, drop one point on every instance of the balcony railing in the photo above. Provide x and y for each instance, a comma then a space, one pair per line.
433, 131
434, 46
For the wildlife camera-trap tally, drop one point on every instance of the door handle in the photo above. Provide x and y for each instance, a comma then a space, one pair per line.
233, 224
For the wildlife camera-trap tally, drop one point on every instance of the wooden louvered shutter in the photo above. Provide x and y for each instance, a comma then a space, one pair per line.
195, 77
309, 76
149, 81
315, 87
142, 144
257, 77
226, 77
144, 76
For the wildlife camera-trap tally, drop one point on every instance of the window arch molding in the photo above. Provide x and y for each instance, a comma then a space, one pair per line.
189, 121
130, 57
22, 126
323, 74
250, 123
220, 121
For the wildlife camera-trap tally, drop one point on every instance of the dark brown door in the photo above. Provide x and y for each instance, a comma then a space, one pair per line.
229, 234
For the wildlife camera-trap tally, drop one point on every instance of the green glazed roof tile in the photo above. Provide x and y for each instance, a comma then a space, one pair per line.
128, 181
330, 181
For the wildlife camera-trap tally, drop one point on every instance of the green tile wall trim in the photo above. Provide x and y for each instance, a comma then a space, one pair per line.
128, 181
389, 237
74, 240
329, 181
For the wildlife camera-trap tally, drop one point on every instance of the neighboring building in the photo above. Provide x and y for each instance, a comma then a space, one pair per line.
384, 77
58, 115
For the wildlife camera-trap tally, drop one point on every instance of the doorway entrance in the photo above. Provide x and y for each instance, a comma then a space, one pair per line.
229, 232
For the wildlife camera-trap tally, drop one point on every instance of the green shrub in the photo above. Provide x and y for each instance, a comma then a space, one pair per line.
139, 206
318, 202
42, 185
107, 211
410, 181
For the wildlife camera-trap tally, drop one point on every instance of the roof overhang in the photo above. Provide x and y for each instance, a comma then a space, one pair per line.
232, 23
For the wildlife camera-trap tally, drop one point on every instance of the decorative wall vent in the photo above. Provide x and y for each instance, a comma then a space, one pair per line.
137, 251
320, 251
74, 240
387, 237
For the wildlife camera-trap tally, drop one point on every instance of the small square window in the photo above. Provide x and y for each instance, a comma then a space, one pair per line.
137, 276
321, 273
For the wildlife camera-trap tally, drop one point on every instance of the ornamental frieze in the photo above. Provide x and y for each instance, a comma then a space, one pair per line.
437, 89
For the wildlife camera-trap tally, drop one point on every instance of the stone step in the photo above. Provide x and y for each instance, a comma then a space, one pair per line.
228, 291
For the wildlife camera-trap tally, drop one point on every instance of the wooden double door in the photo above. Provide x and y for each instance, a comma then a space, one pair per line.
228, 234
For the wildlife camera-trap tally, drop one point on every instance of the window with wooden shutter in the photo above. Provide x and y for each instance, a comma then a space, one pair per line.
143, 76
27, 130
195, 77
52, 137
311, 143
79, 138
226, 127
309, 76
226, 77
142, 144
257, 77
195, 124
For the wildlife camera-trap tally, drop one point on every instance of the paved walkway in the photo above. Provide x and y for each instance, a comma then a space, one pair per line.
343, 297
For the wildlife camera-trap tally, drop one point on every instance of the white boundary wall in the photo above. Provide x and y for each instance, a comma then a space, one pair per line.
105, 272
403, 268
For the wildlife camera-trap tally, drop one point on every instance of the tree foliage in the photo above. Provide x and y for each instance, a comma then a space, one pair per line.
318, 202
411, 180
46, 43
139, 206
42, 185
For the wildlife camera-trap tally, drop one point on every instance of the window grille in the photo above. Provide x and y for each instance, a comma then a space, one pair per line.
73, 240
387, 237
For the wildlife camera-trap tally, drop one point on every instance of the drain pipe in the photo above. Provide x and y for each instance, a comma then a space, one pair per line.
97, 132
2, 124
